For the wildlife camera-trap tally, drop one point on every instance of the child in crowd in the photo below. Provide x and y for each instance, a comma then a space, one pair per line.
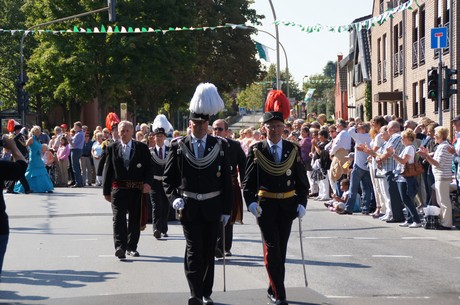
337, 204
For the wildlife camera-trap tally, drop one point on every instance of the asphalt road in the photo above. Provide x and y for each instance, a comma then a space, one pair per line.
61, 252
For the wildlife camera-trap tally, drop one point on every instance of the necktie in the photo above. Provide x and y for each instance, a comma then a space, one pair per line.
200, 149
126, 152
276, 156
160, 153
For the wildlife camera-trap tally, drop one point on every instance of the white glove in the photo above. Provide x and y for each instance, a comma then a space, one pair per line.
178, 204
224, 218
255, 209
301, 211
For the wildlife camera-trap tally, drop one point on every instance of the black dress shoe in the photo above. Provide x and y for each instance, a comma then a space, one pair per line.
281, 302
218, 253
133, 253
344, 212
394, 221
312, 195
208, 301
120, 253
228, 253
157, 234
443, 228
271, 297
165, 235
195, 301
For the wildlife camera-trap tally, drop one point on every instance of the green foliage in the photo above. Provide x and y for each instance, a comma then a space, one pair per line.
330, 70
144, 70
253, 97
368, 101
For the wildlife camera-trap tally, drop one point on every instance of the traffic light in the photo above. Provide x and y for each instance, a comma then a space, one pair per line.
112, 10
433, 84
449, 81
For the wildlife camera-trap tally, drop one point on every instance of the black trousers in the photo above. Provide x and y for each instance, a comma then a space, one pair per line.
160, 209
395, 198
126, 201
228, 237
275, 224
201, 238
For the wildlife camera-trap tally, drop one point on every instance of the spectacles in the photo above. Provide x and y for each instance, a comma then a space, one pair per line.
218, 129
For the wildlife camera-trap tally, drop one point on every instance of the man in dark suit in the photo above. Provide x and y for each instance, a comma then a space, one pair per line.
275, 189
197, 181
128, 173
160, 203
237, 160
20, 141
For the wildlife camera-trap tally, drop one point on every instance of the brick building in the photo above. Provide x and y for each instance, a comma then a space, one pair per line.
402, 55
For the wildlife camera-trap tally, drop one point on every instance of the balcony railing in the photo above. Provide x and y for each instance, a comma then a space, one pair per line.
396, 64
384, 70
379, 72
422, 51
415, 54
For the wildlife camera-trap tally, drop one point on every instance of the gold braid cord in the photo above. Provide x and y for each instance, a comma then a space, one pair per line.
271, 167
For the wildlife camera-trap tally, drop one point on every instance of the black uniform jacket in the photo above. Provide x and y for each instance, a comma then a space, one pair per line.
180, 175
140, 166
257, 179
158, 169
237, 157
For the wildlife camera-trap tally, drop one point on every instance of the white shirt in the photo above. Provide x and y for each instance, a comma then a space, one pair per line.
163, 148
343, 140
360, 156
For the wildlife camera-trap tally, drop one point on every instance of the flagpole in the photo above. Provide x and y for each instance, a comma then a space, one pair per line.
278, 87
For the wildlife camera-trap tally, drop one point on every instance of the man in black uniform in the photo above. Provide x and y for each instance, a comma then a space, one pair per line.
20, 141
128, 172
197, 181
237, 160
275, 189
160, 203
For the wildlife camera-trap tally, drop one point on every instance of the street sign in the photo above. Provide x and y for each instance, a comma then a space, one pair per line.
438, 38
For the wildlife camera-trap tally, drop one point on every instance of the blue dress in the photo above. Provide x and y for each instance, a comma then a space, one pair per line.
36, 173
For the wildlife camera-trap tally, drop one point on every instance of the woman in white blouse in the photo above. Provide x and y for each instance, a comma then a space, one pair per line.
441, 162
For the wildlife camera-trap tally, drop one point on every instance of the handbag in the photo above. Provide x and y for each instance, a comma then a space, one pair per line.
414, 169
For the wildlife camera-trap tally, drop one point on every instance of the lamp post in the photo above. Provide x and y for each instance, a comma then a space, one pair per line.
244, 27
277, 37
110, 8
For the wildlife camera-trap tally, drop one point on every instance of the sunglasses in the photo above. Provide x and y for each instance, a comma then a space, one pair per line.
218, 129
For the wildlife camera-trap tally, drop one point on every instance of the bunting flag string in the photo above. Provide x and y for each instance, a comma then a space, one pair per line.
358, 26
365, 24
116, 30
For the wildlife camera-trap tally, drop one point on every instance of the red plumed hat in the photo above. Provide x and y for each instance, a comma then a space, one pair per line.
11, 124
111, 120
278, 102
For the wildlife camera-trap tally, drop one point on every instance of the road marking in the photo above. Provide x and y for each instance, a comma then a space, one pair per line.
72, 256
392, 256
366, 238
321, 237
418, 237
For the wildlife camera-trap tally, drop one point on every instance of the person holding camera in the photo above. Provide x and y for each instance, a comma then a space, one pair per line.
8, 171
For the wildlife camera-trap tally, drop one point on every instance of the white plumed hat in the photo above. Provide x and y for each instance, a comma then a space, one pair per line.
205, 102
161, 124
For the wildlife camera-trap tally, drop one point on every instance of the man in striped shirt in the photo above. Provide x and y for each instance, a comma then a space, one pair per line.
387, 162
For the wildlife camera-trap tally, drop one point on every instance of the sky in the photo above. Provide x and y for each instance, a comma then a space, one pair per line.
308, 53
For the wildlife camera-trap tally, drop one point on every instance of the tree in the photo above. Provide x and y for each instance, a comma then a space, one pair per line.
143, 70
253, 97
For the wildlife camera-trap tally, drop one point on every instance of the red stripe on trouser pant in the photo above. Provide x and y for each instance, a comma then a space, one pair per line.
272, 284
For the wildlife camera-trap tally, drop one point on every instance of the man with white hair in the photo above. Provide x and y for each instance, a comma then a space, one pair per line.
387, 162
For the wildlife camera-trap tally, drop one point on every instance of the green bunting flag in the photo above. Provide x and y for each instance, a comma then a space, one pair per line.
365, 24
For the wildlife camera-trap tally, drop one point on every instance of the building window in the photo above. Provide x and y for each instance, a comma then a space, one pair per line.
422, 93
415, 103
